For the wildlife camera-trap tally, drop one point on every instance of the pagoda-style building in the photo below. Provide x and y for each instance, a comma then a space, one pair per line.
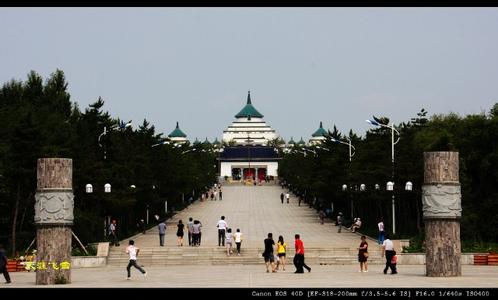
177, 135
318, 136
249, 158
249, 125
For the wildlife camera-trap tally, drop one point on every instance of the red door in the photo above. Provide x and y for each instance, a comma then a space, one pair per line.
249, 173
261, 174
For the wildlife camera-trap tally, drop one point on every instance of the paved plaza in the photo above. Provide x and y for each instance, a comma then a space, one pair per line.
255, 276
257, 210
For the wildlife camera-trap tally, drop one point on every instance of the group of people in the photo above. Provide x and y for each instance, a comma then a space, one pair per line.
387, 251
215, 193
286, 196
281, 248
225, 236
193, 229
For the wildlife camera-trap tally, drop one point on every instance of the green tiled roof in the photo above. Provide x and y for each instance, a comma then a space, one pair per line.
196, 142
320, 131
177, 132
216, 142
291, 141
206, 142
249, 110
301, 142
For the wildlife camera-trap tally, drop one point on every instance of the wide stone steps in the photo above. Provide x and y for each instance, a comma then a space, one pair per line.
217, 256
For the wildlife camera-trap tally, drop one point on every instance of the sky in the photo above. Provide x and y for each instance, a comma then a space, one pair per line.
302, 65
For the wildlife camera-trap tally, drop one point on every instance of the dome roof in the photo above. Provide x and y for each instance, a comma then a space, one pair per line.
177, 132
320, 131
249, 110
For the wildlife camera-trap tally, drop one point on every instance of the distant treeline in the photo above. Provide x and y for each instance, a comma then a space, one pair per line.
40, 120
321, 174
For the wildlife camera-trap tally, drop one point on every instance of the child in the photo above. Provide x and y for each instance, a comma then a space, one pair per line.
238, 240
228, 240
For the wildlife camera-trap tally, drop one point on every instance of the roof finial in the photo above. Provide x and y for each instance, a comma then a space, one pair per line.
249, 97
321, 124
177, 124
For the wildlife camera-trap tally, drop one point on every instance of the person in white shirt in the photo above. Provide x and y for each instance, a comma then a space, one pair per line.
238, 240
222, 226
133, 252
356, 225
287, 197
388, 251
381, 231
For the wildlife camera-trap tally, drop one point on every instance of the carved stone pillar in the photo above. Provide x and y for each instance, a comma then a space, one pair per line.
442, 210
54, 217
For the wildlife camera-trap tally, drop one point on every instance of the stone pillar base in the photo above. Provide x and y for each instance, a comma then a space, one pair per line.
443, 249
54, 249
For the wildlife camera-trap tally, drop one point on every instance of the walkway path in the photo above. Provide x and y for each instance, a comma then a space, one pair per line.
256, 210
255, 276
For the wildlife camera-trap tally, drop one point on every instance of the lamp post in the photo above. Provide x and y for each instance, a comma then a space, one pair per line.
352, 151
248, 143
107, 189
376, 122
120, 126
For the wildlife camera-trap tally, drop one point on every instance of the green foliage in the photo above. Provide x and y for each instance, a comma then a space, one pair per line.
60, 280
41, 121
475, 137
78, 251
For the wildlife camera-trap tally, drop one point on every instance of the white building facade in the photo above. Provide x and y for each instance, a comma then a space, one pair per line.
248, 156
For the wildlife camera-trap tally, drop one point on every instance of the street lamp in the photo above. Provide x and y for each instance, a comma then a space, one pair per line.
121, 126
376, 122
352, 151
107, 189
161, 143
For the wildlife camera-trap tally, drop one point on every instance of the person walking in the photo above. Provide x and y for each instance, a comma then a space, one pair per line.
212, 196
162, 232
3, 265
113, 233
196, 233
215, 193
133, 252
221, 194
228, 240
339, 222
388, 251
222, 226
381, 231
287, 196
299, 256
190, 227
238, 240
179, 233
268, 253
282, 197
281, 250
363, 254
142, 225
321, 215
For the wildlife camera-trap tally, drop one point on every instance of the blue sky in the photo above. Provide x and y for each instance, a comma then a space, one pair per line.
302, 65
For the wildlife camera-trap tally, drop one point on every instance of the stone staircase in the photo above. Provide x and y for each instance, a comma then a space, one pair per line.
166, 256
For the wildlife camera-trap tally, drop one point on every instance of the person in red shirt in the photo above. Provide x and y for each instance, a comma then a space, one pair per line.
299, 256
